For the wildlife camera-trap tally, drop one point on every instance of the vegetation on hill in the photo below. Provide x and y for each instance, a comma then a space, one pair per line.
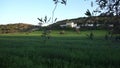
103, 22
13, 28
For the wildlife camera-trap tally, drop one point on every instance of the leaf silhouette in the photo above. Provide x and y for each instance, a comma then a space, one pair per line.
49, 19
40, 19
55, 20
88, 13
63, 2
91, 3
45, 19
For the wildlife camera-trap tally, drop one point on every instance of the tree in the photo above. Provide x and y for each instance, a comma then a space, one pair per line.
111, 6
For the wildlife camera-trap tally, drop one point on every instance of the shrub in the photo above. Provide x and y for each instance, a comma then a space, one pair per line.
62, 32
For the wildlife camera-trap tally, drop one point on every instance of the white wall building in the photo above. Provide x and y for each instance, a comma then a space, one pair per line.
69, 24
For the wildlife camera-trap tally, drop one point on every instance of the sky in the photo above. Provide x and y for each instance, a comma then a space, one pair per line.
27, 11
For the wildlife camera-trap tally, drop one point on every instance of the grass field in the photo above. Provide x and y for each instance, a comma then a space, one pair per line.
70, 50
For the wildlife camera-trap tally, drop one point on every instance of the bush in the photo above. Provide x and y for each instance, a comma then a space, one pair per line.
62, 32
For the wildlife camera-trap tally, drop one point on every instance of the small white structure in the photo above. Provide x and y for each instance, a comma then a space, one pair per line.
63, 25
91, 25
77, 27
70, 24
98, 25
111, 25
87, 24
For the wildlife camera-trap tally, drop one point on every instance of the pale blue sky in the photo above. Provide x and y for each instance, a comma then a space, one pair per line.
27, 11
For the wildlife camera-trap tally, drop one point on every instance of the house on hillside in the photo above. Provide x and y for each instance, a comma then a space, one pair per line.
69, 24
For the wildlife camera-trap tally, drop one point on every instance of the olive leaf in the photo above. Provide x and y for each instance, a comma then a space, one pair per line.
45, 19
40, 19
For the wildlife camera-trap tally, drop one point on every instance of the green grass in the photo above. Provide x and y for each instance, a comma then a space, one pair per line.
71, 50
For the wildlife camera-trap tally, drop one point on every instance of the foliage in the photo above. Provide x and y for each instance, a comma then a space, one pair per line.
46, 32
106, 36
60, 1
88, 13
90, 36
111, 6
62, 32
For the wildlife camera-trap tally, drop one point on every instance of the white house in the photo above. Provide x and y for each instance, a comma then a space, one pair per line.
111, 25
69, 24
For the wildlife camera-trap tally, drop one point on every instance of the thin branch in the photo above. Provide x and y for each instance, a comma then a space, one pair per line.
54, 12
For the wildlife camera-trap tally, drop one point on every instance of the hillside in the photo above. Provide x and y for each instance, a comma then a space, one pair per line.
104, 22
13, 28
